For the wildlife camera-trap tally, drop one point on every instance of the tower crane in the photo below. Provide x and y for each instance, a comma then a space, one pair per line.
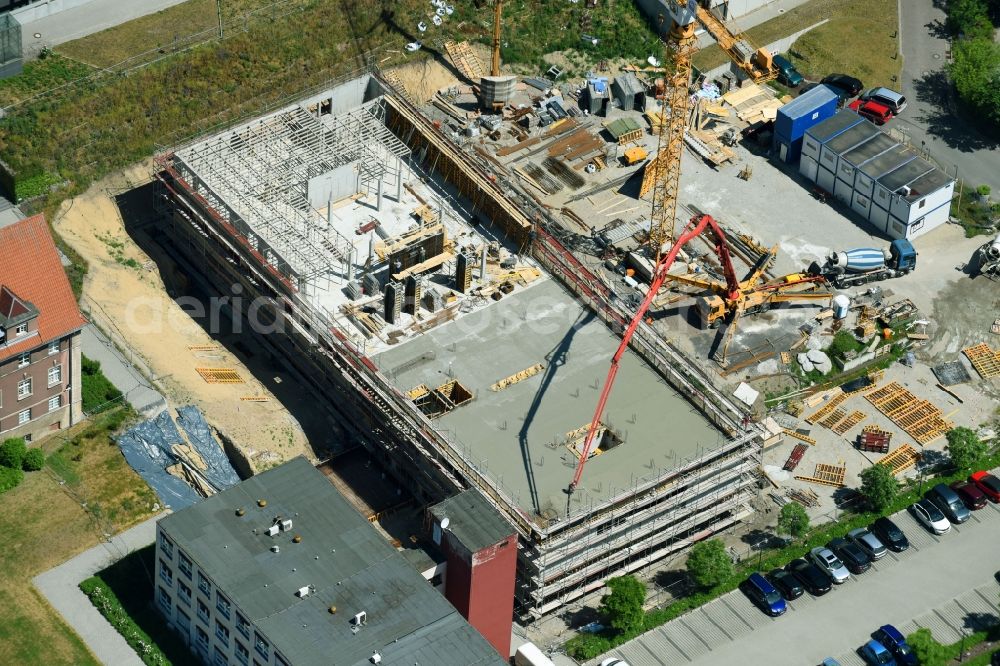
495, 64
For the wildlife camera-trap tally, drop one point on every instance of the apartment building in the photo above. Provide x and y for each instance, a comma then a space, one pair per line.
280, 569
40, 327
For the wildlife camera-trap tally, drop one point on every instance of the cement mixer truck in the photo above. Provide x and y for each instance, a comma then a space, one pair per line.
988, 259
866, 264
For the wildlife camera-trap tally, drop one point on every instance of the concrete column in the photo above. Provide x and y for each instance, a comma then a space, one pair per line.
482, 265
378, 199
350, 263
399, 179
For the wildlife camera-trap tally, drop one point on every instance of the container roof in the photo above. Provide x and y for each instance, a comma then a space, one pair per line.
623, 126
873, 147
833, 125
629, 84
905, 174
929, 183
808, 102
850, 138
891, 159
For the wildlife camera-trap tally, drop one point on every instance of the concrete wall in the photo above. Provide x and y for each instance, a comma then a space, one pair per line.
729, 9
334, 185
42, 8
779, 46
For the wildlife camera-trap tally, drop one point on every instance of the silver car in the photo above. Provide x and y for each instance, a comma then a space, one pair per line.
830, 564
868, 542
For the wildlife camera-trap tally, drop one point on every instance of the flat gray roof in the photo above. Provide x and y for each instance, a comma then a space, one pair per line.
905, 174
518, 434
928, 183
834, 125
473, 520
349, 565
850, 138
876, 145
891, 159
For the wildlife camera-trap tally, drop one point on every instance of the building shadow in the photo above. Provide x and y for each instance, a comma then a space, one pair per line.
948, 118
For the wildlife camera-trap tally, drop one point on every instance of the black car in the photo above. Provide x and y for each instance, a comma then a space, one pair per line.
811, 576
854, 558
889, 534
848, 84
786, 583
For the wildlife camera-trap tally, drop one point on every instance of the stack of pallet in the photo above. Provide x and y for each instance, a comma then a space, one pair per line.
918, 418
753, 104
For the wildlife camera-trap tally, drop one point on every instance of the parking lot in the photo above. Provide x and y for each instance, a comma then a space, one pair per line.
945, 583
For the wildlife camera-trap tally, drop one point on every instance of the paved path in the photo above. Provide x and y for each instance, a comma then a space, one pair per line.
929, 119
944, 583
60, 587
121, 372
84, 20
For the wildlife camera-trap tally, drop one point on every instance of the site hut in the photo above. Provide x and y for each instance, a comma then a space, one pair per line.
888, 184
596, 97
489, 388
625, 130
629, 92
793, 119
280, 569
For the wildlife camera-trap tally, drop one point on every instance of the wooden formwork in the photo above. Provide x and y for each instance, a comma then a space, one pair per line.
854, 419
799, 435
827, 408
827, 475
465, 59
901, 459
220, 375
833, 418
921, 419
517, 377
984, 359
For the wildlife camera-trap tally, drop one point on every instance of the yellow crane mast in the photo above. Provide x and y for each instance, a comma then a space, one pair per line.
495, 64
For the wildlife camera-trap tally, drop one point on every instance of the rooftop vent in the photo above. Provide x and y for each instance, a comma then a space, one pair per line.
304, 592
333, 610
376, 658
286, 525
273, 530
262, 503
275, 549
296, 539
360, 619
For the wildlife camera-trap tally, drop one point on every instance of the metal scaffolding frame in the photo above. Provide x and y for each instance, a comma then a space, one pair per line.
258, 175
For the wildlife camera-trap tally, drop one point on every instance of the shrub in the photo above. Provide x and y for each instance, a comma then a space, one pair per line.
110, 607
964, 447
927, 650
10, 478
12, 452
33, 460
99, 393
983, 190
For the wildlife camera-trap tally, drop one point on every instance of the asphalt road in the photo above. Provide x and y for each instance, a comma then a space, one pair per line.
933, 584
930, 119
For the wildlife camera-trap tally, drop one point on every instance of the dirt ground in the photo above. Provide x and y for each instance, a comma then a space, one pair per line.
130, 293
423, 79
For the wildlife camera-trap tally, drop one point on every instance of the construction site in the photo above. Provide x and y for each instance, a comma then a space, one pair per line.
452, 276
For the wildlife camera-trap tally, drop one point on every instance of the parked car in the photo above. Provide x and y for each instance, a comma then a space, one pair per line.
931, 517
889, 534
854, 558
614, 661
830, 661
988, 484
830, 564
788, 585
848, 84
811, 576
876, 654
893, 641
787, 74
877, 113
766, 596
868, 542
973, 497
950, 504
890, 98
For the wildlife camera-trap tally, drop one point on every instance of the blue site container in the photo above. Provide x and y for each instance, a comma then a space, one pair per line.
806, 110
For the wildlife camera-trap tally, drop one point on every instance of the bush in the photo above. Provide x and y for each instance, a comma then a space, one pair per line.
110, 607
12, 453
33, 460
10, 478
927, 650
964, 447
99, 393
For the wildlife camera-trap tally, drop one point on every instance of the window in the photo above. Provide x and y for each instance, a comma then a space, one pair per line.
219, 658
53, 347
23, 417
184, 564
184, 593
25, 360
222, 633
204, 585
166, 546
222, 604
243, 626
24, 388
166, 573
201, 638
164, 599
55, 375
242, 654
922, 202
183, 621
22, 329
55, 402
261, 645
202, 611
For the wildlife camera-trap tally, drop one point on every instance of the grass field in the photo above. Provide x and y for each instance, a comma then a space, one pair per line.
44, 524
859, 38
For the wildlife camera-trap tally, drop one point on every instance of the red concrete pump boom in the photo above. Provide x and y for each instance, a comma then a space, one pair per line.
659, 275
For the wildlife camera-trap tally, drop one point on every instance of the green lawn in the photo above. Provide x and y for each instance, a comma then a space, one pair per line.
859, 39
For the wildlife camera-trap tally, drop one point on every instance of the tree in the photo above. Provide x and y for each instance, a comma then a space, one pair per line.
927, 650
970, 18
709, 563
623, 605
879, 487
33, 460
793, 520
12, 453
976, 74
964, 447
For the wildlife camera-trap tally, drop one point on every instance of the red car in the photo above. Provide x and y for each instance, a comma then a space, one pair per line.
989, 484
972, 496
873, 111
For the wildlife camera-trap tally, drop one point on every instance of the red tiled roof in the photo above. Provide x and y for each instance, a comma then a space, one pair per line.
30, 267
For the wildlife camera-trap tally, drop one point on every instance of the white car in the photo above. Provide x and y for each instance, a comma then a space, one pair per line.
930, 517
830, 564
614, 661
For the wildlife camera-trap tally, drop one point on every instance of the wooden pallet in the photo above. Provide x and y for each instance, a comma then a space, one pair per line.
198, 348
827, 475
801, 436
854, 419
920, 419
795, 457
901, 459
833, 418
220, 375
517, 377
254, 398
984, 359
827, 408
465, 59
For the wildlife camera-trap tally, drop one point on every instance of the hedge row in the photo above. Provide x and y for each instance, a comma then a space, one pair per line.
110, 607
